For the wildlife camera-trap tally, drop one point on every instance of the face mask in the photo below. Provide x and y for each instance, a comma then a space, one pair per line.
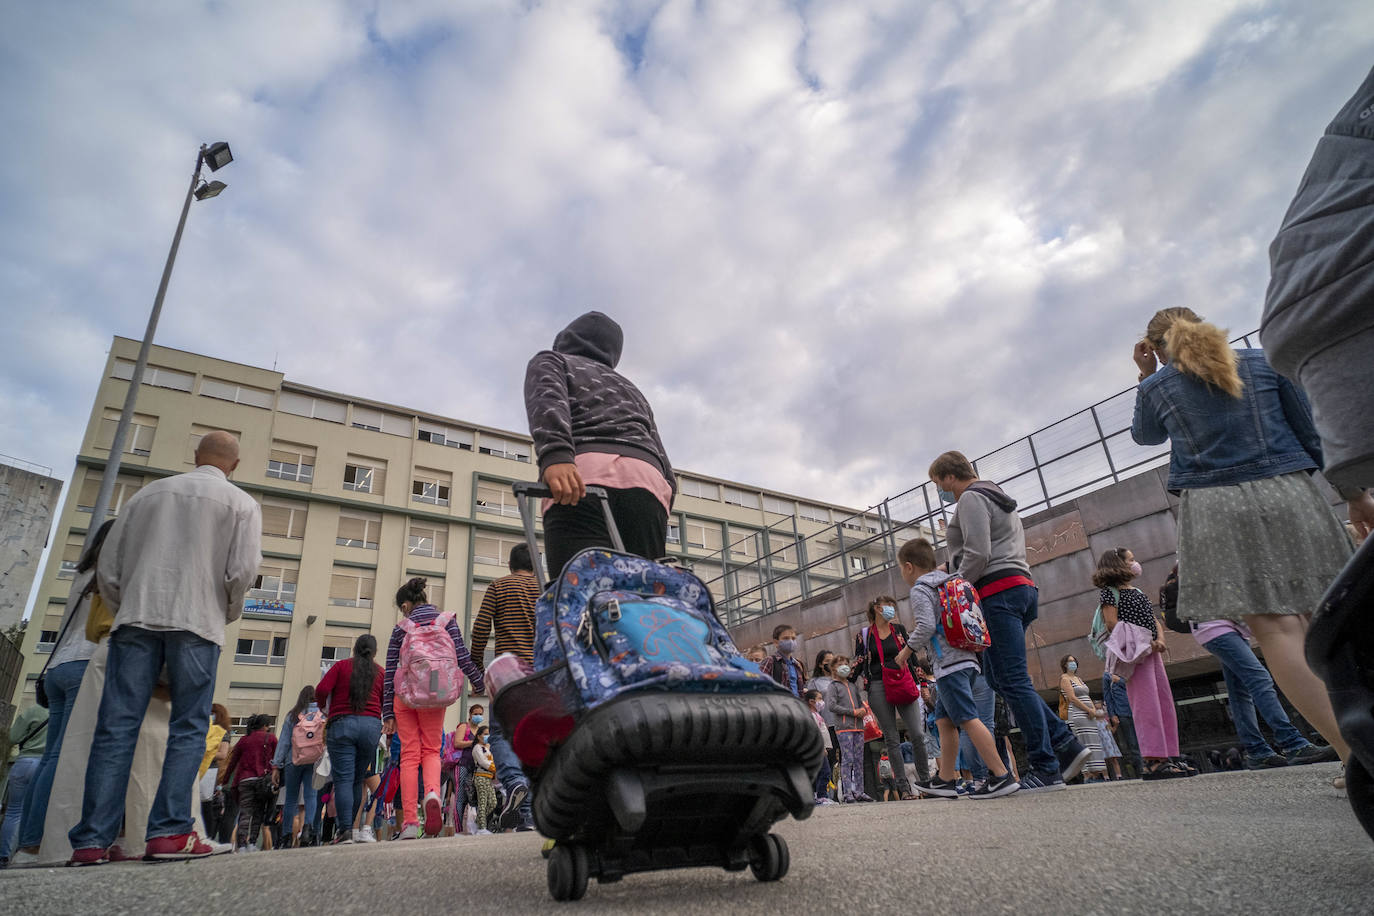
820, 705
842, 671
787, 646
947, 497
889, 612
477, 718
1073, 666
1135, 568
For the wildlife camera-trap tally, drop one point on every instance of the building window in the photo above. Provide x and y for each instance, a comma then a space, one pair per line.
431, 487
814, 513
156, 376
352, 587
225, 390
434, 591
857, 562
47, 641
698, 488
71, 555
494, 499
137, 441
778, 506
276, 581
503, 448
282, 519
359, 529
743, 545
446, 436
238, 725
494, 550
301, 405
124, 488
199, 432
674, 533
426, 541
336, 649
364, 475
734, 497
702, 534
288, 461
260, 649
380, 422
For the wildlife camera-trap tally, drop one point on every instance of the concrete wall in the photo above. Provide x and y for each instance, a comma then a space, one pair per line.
27, 503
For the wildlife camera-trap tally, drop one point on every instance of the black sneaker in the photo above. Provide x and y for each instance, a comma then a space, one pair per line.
1034, 781
1313, 753
1266, 763
935, 787
510, 811
996, 788
1073, 756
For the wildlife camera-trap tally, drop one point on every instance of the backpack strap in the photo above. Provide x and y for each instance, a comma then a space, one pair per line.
407, 625
444, 619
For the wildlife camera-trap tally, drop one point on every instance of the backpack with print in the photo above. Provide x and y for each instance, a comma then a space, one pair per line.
427, 676
307, 738
961, 617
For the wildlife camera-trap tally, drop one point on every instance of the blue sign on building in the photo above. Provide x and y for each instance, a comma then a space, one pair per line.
268, 606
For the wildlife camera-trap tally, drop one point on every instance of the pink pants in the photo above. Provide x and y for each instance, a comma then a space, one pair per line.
1152, 705
421, 731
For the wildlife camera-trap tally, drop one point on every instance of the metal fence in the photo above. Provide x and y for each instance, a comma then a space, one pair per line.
40, 469
1083, 452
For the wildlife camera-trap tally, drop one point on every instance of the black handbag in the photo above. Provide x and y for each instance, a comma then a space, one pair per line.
40, 692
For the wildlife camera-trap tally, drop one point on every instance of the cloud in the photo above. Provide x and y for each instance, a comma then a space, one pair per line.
841, 236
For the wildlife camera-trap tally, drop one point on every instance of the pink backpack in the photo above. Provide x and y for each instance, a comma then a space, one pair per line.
307, 738
428, 676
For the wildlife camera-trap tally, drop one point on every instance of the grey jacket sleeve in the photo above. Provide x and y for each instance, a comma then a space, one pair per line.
975, 520
923, 610
548, 410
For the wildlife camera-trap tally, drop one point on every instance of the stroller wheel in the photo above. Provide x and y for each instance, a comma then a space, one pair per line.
769, 858
1359, 785
568, 872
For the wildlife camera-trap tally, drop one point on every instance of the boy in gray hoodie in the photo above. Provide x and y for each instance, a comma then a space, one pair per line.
845, 702
955, 671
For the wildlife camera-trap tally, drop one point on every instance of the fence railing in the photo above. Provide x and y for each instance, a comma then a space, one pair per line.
1083, 452
41, 469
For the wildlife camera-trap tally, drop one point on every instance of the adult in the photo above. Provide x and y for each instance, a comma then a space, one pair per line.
249, 773
591, 425
297, 779
463, 738
1083, 717
421, 728
988, 547
352, 693
174, 571
28, 734
1118, 706
61, 681
879, 646
508, 608
1257, 539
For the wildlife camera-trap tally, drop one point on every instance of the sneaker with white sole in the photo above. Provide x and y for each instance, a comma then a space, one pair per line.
434, 814
935, 787
1073, 756
510, 811
364, 834
22, 859
410, 832
996, 788
1041, 782
483, 832
181, 846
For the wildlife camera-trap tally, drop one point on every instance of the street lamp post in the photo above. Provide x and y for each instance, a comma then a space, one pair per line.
216, 156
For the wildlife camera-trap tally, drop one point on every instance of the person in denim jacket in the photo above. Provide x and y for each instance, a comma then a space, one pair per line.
1257, 538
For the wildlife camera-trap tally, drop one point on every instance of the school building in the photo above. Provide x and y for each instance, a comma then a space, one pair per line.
357, 496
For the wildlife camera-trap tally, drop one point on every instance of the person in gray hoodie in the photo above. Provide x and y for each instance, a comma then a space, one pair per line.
845, 703
591, 425
955, 671
988, 548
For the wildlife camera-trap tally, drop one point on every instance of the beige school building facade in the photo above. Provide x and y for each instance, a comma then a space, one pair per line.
357, 496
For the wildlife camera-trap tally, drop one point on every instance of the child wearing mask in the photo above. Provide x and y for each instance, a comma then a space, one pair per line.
782, 666
816, 703
483, 772
845, 702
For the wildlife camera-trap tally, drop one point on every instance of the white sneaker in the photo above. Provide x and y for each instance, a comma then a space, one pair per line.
411, 832
22, 859
364, 835
483, 832
219, 849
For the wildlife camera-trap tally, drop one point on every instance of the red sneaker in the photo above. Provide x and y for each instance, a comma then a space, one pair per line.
434, 815
93, 855
117, 854
184, 846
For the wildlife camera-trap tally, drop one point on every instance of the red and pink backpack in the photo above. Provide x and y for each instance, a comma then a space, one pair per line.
428, 676
961, 618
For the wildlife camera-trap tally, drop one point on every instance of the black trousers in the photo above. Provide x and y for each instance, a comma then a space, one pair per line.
641, 518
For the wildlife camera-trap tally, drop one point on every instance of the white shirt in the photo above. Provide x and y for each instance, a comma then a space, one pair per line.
72, 645
182, 554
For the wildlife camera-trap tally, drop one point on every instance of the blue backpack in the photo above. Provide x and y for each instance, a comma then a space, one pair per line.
623, 623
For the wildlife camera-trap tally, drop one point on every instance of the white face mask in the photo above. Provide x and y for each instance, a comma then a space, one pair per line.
1135, 569
842, 671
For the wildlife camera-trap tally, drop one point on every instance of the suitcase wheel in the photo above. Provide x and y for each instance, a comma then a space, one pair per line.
569, 869
768, 857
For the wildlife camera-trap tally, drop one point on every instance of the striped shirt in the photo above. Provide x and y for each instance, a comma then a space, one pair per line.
509, 604
425, 614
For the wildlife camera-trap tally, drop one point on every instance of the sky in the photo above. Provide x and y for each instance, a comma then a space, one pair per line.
841, 237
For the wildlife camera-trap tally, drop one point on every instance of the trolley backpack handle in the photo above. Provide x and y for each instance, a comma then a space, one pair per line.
526, 493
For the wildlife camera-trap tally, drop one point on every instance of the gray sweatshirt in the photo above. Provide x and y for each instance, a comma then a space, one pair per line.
925, 607
845, 702
985, 535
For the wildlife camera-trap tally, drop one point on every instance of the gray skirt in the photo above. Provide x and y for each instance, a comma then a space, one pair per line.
1267, 546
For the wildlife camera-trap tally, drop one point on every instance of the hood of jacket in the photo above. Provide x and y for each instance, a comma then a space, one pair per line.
935, 578
594, 336
996, 494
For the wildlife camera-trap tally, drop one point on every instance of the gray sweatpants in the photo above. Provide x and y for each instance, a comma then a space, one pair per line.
886, 715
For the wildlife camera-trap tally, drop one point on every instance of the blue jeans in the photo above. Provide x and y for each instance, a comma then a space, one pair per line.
1249, 686
1008, 614
137, 657
62, 683
21, 777
352, 744
294, 777
985, 700
508, 768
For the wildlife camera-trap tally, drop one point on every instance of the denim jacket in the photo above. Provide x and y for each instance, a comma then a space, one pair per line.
1219, 440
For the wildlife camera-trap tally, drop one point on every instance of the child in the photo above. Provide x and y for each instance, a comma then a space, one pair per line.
817, 704
483, 772
781, 666
955, 670
846, 704
887, 780
1109, 746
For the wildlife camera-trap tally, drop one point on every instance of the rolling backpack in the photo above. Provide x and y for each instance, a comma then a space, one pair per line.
307, 738
961, 617
428, 676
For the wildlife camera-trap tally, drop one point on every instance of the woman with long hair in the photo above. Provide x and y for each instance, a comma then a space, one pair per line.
876, 649
1257, 538
352, 692
298, 779
1083, 717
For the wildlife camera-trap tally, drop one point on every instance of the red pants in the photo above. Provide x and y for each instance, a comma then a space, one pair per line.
421, 731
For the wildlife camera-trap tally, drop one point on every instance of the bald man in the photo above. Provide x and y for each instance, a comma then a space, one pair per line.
174, 570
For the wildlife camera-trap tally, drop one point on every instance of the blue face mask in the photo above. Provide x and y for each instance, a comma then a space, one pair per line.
947, 497
1073, 666
889, 612
477, 718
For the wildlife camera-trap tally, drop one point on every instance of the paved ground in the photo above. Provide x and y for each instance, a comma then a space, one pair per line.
1275, 842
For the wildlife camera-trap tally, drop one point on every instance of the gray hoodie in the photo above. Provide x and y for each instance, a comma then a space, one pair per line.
845, 702
986, 537
925, 607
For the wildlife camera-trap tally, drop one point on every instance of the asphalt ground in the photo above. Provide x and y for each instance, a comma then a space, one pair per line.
1280, 841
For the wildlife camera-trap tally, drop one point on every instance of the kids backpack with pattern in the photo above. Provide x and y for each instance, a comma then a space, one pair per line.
428, 676
961, 618
307, 738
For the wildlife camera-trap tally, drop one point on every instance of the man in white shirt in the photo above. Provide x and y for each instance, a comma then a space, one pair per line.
174, 571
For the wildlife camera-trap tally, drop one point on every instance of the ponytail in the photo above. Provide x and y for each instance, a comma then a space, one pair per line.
1195, 347
364, 672
413, 591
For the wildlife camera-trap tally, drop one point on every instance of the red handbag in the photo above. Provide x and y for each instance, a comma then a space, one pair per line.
899, 687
